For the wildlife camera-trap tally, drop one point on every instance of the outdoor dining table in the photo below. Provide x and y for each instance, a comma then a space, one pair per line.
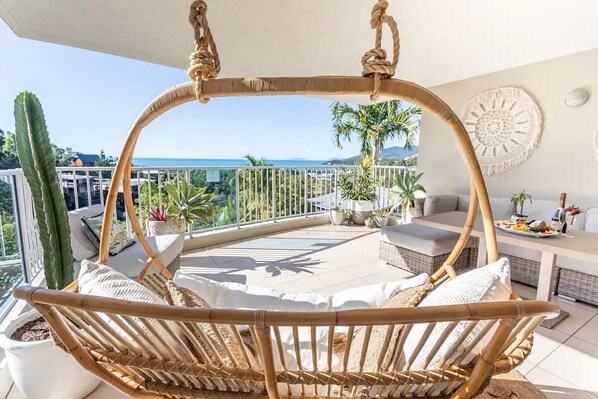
580, 245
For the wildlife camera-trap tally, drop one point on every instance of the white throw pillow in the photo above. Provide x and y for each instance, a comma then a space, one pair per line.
240, 296
486, 284
106, 282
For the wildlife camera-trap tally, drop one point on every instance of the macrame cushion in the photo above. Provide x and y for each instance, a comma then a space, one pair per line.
106, 282
403, 299
486, 284
229, 350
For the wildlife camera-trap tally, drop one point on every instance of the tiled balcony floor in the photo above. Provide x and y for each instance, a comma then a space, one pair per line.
326, 259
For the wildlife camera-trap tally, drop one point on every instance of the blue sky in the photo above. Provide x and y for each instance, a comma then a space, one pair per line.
91, 100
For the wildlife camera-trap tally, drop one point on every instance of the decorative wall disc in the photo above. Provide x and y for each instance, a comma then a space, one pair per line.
505, 126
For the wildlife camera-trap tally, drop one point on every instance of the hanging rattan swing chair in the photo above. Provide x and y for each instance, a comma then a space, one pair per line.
141, 370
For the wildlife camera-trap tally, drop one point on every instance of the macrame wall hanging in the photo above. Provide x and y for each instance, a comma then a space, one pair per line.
505, 126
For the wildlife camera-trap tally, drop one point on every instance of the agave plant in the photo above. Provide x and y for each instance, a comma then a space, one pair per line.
404, 190
189, 203
38, 163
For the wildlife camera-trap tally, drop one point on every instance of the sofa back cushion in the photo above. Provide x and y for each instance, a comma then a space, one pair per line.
439, 204
591, 220
82, 247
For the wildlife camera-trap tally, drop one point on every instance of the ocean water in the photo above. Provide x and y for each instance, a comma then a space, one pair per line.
173, 162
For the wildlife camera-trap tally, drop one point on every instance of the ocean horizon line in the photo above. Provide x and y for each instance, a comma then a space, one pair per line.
225, 162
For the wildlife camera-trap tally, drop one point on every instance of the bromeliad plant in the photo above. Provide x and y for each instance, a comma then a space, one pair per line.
159, 213
189, 204
403, 192
38, 163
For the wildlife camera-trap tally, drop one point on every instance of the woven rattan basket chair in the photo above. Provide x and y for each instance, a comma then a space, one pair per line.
141, 369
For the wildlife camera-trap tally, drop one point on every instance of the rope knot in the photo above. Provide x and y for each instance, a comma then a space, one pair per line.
204, 62
374, 61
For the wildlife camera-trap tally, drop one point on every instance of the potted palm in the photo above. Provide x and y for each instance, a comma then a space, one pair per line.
519, 201
359, 188
187, 204
38, 367
402, 194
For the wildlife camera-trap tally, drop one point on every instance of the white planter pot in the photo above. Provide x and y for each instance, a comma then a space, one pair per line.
381, 221
337, 217
41, 370
160, 228
361, 210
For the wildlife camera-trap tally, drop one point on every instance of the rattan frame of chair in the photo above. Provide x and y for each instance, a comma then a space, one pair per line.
142, 372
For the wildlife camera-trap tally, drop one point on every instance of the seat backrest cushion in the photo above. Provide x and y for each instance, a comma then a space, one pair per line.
591, 222
82, 247
439, 204
486, 284
106, 282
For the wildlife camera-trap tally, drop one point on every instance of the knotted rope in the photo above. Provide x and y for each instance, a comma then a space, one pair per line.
374, 61
204, 62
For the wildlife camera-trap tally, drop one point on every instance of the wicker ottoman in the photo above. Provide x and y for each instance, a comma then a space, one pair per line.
422, 249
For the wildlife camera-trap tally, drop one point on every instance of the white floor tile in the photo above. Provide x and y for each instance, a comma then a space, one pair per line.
575, 361
546, 341
589, 332
554, 387
328, 279
105, 391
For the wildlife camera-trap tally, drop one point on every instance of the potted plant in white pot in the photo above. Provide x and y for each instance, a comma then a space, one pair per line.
188, 204
39, 368
359, 188
160, 223
519, 201
403, 193
337, 215
381, 217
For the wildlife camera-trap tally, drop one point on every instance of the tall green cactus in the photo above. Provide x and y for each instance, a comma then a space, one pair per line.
37, 160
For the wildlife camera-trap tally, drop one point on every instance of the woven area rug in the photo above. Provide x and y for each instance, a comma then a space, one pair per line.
511, 386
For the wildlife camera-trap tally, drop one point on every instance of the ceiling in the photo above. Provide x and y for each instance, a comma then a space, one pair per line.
442, 41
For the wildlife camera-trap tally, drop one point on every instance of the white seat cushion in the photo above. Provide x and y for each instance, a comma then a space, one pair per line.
591, 220
133, 259
422, 239
82, 247
486, 284
240, 296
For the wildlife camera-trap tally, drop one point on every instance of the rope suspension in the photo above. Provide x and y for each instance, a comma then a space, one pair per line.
204, 62
374, 61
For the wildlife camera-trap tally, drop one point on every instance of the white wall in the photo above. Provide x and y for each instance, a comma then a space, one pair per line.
563, 161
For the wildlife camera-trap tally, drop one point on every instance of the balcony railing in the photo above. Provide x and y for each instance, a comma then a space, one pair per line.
242, 196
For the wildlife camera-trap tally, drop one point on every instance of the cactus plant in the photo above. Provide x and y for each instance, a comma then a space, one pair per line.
37, 160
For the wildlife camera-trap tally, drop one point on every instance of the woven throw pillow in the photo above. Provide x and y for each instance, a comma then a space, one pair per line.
486, 284
118, 237
106, 282
403, 299
204, 334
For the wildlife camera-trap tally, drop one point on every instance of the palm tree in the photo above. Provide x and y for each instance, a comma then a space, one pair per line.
374, 125
253, 161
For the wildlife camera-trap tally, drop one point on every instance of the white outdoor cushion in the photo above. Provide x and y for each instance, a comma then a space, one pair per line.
422, 239
82, 247
133, 259
591, 220
440, 203
240, 296
485, 284
106, 282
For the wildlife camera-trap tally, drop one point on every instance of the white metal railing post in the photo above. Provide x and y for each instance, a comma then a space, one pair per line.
335, 187
305, 201
237, 201
22, 232
273, 188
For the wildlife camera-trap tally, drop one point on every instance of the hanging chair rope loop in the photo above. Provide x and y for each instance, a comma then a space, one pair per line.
204, 62
374, 61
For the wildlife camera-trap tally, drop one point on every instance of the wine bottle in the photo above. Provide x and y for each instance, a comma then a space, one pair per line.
559, 218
